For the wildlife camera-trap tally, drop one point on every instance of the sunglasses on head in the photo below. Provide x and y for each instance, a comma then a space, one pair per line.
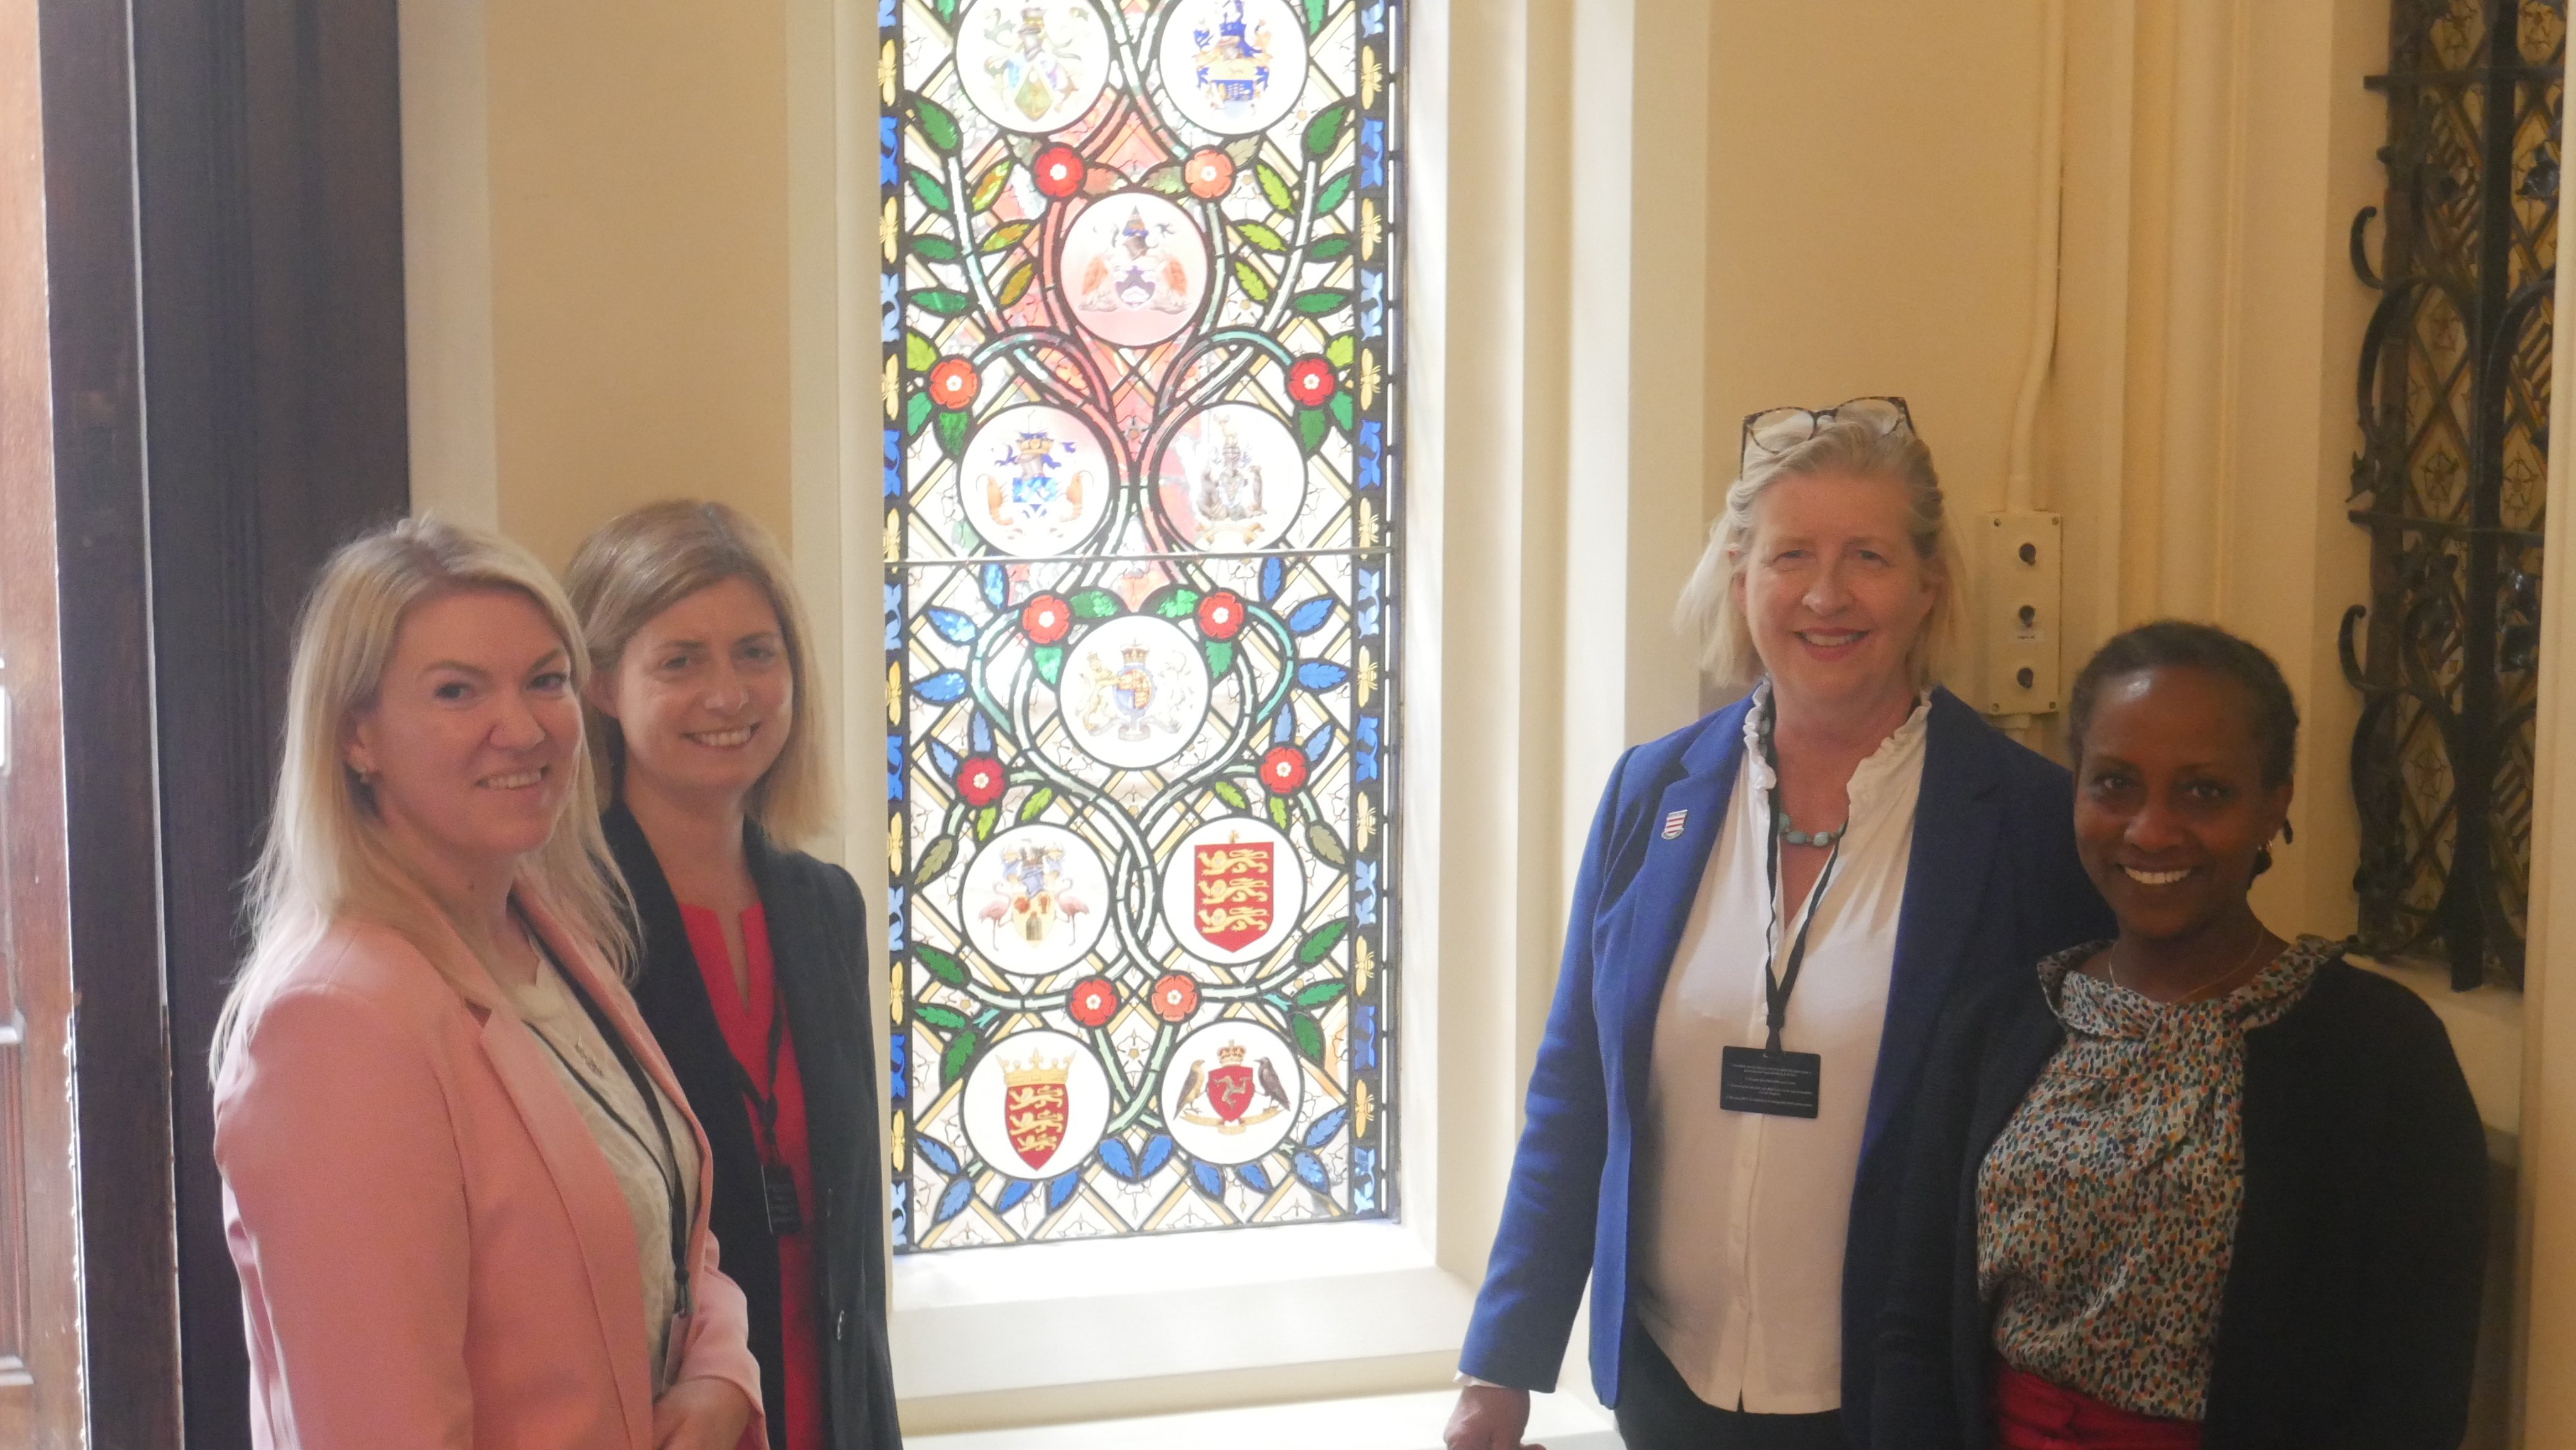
1775, 431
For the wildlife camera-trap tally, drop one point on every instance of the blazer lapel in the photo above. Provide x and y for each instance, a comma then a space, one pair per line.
1957, 818
1680, 833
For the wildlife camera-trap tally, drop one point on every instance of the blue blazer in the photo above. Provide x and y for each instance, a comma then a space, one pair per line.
1992, 886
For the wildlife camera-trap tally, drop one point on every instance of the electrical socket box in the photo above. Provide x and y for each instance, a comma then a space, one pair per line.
2019, 629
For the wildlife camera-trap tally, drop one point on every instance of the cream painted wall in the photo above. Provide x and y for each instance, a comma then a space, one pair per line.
639, 260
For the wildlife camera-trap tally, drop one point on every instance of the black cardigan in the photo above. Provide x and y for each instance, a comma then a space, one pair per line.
818, 935
2350, 1313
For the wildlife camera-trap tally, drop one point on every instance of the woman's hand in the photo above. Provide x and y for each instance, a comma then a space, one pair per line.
1488, 1417
700, 1414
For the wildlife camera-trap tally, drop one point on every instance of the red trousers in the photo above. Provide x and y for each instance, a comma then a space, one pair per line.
2033, 1414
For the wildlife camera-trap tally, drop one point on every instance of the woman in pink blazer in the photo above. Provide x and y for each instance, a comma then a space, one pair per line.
463, 1190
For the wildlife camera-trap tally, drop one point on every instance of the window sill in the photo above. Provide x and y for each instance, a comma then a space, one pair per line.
1384, 1422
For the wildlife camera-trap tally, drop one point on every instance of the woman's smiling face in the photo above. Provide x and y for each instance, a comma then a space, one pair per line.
2170, 803
1833, 588
703, 695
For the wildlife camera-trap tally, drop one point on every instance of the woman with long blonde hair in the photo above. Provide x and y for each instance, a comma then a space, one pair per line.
753, 959
465, 1195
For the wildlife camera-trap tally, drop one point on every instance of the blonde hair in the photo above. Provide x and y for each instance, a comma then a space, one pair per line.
1843, 445
646, 560
326, 856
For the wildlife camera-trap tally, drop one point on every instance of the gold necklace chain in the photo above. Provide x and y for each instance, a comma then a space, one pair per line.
2111, 968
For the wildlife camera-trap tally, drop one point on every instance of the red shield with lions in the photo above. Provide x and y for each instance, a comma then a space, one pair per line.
1229, 1091
1231, 883
1033, 1113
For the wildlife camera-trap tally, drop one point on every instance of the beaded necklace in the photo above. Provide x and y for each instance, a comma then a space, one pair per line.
1780, 823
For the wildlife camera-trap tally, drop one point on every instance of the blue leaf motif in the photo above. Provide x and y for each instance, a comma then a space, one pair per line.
1254, 1177
1371, 448
1372, 152
1012, 1195
979, 733
1364, 756
1372, 18
1274, 576
889, 308
952, 626
898, 1077
1318, 745
945, 688
1284, 729
997, 586
1310, 616
1364, 891
1158, 1151
1207, 1180
1060, 1190
1321, 1131
961, 1192
1363, 1179
893, 617
1317, 675
1372, 304
894, 463
894, 919
935, 1153
1115, 1157
1363, 1039
889, 134
1368, 608
943, 759
1310, 1171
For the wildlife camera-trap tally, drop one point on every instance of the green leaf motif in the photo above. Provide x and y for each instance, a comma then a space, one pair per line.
1321, 993
1243, 148
1341, 350
988, 188
1328, 249
1165, 180
961, 1051
985, 820
934, 249
1320, 301
1228, 792
940, 964
1332, 194
952, 427
1035, 806
946, 1019
934, 859
1179, 604
1220, 656
1005, 237
916, 411
1093, 604
1016, 285
1310, 1038
946, 10
937, 126
1049, 660
1276, 187
1340, 407
1315, 16
918, 353
1320, 942
1325, 131
1312, 425
943, 301
1326, 845
1260, 236
1248, 276
1279, 813
929, 188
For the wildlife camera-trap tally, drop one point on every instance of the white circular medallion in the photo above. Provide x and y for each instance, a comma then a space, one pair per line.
1136, 266
1233, 66
1232, 890
1134, 691
1233, 478
1231, 1091
1034, 481
1031, 901
1032, 65
1035, 1104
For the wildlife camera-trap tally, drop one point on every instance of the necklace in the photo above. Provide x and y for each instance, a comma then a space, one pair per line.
1781, 826
2111, 969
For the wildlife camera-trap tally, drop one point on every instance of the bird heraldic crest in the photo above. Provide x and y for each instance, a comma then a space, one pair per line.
1226, 1095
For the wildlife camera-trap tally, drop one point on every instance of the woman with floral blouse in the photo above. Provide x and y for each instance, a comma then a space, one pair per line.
2196, 1186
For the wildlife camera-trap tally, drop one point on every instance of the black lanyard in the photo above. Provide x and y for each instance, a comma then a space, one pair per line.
666, 1164
780, 1202
1776, 986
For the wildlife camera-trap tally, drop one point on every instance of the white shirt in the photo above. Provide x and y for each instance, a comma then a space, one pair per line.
1739, 1266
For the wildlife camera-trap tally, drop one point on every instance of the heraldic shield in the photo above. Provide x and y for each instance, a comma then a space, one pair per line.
1035, 1108
1231, 892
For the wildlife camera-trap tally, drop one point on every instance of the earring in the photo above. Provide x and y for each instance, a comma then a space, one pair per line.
2262, 859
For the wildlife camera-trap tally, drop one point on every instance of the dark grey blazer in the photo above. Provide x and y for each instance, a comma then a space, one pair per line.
818, 941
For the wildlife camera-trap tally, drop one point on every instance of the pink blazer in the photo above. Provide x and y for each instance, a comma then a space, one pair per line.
433, 1251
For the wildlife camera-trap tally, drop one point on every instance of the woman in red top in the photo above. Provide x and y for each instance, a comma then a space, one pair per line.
754, 954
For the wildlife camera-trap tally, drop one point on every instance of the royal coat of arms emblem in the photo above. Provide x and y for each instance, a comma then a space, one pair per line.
1036, 1105
1231, 892
1233, 57
1137, 271
1235, 1094
1131, 702
1032, 486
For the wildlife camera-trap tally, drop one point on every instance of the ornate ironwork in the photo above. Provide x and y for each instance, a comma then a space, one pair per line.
2454, 402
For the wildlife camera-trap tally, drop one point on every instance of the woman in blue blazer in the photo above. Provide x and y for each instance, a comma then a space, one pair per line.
1773, 905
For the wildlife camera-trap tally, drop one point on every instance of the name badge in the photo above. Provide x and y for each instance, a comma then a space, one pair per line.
1779, 1084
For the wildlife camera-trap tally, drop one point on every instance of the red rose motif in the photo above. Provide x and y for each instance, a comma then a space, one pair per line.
1210, 174
1057, 171
1283, 769
1311, 382
979, 780
954, 383
1093, 1001
1220, 615
1045, 619
1175, 997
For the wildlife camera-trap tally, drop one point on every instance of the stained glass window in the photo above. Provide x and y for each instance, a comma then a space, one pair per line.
1143, 347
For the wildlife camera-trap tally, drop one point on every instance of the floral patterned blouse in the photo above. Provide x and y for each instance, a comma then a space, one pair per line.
2106, 1209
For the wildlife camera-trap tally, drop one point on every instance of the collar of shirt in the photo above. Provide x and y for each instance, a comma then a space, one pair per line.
1877, 781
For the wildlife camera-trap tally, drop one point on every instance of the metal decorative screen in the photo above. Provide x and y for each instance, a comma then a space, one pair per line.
1143, 354
2454, 400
